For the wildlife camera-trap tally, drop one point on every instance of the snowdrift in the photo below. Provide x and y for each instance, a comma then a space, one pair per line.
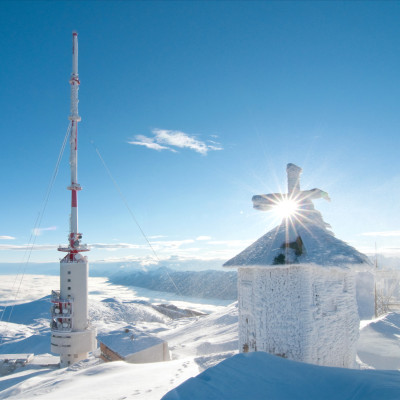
263, 376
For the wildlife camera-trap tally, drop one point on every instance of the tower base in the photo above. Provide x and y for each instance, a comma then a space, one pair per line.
73, 346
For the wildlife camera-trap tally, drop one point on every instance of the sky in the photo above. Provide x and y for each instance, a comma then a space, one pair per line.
195, 107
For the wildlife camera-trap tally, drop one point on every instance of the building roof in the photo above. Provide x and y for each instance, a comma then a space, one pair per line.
127, 341
302, 238
294, 243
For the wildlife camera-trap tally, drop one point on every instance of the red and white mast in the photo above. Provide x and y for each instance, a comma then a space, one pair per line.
74, 236
72, 336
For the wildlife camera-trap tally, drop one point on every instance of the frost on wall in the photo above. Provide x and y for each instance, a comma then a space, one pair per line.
296, 284
301, 312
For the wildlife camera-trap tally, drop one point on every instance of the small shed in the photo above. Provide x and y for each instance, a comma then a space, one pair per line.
133, 346
296, 285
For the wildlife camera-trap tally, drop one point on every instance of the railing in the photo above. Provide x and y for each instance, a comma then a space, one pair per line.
56, 297
66, 248
57, 312
60, 326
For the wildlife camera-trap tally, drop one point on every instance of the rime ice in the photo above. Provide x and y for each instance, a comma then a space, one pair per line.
296, 286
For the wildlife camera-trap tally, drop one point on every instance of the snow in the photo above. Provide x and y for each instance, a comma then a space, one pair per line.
116, 380
263, 376
201, 284
320, 246
217, 333
379, 344
128, 340
196, 343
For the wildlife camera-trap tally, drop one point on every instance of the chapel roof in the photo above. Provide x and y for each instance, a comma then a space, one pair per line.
298, 244
302, 238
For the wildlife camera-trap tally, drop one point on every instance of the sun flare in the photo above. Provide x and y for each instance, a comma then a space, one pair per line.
286, 208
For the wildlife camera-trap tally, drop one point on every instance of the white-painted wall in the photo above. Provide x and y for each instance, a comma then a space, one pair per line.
74, 345
156, 353
74, 283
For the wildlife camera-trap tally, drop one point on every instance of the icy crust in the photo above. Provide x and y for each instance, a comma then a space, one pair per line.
298, 243
301, 312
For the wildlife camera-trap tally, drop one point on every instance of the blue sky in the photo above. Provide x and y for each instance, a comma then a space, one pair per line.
195, 107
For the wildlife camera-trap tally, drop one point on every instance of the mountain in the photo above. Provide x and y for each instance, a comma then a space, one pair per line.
202, 284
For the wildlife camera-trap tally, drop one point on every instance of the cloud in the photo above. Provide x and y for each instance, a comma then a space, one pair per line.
28, 247
149, 143
7, 238
170, 244
38, 231
203, 238
233, 243
382, 234
164, 139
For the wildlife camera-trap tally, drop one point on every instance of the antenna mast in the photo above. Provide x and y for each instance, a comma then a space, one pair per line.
74, 236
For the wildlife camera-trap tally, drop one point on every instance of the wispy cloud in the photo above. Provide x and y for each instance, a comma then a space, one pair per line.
203, 238
170, 244
150, 143
4, 237
164, 139
28, 247
232, 243
39, 231
382, 234
115, 246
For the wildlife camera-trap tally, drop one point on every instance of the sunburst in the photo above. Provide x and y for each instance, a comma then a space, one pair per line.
286, 208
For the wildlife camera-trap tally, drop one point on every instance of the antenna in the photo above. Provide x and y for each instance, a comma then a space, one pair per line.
74, 238
72, 336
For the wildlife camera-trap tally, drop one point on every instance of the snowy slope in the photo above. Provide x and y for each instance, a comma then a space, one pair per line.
263, 376
216, 333
379, 343
196, 343
202, 284
117, 380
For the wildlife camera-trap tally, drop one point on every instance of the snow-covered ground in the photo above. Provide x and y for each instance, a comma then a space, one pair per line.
260, 375
112, 307
196, 343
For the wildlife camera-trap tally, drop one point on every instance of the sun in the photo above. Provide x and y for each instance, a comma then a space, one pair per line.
286, 208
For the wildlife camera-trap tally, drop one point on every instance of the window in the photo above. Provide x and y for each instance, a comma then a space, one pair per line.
69, 272
69, 280
69, 287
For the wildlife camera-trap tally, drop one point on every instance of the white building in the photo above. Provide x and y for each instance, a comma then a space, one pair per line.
296, 285
133, 346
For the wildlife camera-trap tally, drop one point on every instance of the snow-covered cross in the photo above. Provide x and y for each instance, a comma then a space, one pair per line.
302, 198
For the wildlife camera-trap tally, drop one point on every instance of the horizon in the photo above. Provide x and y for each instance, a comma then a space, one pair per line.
195, 107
